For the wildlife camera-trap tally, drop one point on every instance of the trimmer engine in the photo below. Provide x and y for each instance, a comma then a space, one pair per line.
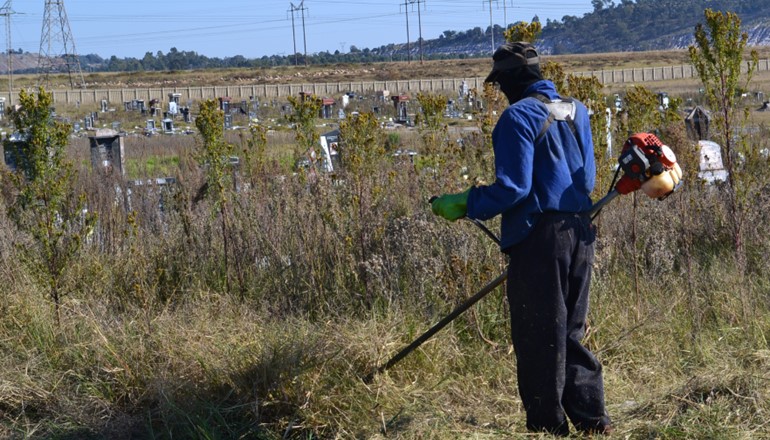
648, 165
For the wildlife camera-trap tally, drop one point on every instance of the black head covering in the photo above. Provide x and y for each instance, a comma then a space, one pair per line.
516, 66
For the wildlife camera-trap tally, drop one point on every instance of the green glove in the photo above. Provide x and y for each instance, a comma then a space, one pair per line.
451, 206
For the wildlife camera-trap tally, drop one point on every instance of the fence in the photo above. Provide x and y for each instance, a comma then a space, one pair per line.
261, 91
270, 91
649, 74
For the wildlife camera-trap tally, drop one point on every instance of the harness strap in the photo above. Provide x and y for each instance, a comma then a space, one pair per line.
562, 110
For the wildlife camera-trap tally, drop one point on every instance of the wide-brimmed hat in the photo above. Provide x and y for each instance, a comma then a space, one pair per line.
511, 55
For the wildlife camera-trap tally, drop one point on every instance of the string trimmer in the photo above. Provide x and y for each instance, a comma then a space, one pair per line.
647, 164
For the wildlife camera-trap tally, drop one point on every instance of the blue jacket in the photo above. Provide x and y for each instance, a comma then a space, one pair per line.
556, 175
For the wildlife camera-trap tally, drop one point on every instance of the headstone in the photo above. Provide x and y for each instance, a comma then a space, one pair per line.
168, 126
107, 151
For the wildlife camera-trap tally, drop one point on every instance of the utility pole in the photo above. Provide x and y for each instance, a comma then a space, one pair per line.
419, 21
491, 27
6, 11
293, 33
408, 50
302, 9
505, 14
56, 31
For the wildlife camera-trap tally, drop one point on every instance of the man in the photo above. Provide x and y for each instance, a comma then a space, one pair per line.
545, 171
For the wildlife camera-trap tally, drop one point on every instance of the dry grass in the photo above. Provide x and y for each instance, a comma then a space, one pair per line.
332, 276
215, 367
361, 72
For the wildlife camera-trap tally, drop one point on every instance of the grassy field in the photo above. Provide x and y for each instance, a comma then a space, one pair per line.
175, 324
475, 67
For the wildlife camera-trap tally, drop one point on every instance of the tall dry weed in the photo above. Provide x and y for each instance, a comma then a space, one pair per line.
338, 273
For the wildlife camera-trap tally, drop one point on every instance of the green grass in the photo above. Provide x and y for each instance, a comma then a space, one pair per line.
152, 166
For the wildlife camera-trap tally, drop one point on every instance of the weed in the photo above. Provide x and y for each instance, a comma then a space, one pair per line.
339, 272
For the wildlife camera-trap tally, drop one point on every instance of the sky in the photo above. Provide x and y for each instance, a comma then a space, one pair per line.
254, 28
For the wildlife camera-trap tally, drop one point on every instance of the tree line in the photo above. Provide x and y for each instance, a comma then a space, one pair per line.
188, 60
623, 25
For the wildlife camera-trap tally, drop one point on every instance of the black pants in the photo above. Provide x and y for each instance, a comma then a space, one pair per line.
548, 281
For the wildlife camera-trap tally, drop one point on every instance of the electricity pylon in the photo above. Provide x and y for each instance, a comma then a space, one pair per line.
6, 12
57, 46
302, 9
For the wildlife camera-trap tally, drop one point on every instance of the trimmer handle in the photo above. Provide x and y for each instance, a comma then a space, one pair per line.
476, 222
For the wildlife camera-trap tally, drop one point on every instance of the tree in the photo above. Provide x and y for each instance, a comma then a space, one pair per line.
718, 58
148, 61
214, 156
303, 116
363, 153
432, 111
643, 112
523, 31
175, 59
46, 206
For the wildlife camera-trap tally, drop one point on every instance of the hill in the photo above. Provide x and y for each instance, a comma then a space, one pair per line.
21, 62
649, 25
643, 25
